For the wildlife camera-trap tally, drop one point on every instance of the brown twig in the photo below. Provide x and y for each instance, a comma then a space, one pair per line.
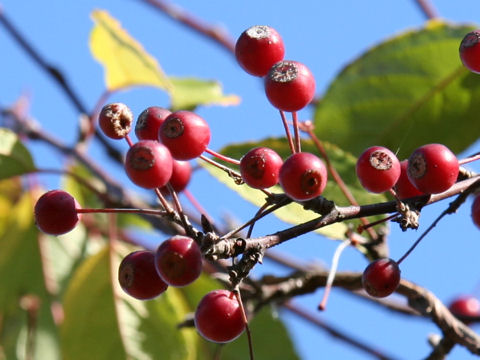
427, 8
218, 35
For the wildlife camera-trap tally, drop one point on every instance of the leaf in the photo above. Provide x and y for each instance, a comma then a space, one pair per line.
187, 93
15, 159
408, 91
24, 294
294, 213
125, 61
117, 326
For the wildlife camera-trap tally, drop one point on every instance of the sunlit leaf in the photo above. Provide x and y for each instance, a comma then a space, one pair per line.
15, 159
187, 93
408, 91
125, 61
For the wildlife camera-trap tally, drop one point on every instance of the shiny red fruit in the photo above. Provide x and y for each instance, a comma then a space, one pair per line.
432, 168
185, 134
138, 277
219, 317
470, 51
149, 122
476, 211
464, 307
289, 85
303, 176
178, 261
181, 174
258, 48
378, 169
56, 212
381, 277
260, 167
149, 164
404, 187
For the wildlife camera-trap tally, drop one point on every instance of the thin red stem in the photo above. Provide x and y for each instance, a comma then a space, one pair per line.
469, 159
222, 157
287, 132
298, 145
121, 210
247, 328
129, 140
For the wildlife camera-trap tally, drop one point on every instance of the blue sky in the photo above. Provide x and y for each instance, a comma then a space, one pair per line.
325, 36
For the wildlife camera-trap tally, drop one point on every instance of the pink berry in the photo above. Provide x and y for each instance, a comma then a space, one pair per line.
303, 176
470, 51
178, 261
115, 120
476, 211
289, 85
465, 307
378, 169
149, 121
185, 134
381, 277
404, 187
432, 168
149, 164
258, 48
219, 317
260, 167
56, 212
138, 278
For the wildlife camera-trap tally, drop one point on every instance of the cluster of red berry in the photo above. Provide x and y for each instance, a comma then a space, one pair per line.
168, 140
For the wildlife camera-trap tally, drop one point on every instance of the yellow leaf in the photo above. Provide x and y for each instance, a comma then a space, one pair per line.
125, 61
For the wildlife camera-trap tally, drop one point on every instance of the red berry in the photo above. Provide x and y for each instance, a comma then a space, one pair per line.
378, 169
178, 261
258, 48
149, 164
476, 211
432, 168
289, 85
404, 187
137, 276
115, 120
381, 277
181, 174
303, 176
185, 134
260, 167
149, 121
56, 212
470, 51
219, 317
464, 307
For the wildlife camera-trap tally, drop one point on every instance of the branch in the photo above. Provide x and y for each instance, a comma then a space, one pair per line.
427, 8
217, 34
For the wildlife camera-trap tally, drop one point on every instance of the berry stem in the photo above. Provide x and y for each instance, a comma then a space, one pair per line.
287, 132
121, 210
332, 272
469, 159
247, 328
163, 201
308, 126
257, 214
129, 140
298, 145
222, 157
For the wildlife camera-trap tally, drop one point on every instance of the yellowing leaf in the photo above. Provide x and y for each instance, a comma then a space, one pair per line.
125, 61
187, 93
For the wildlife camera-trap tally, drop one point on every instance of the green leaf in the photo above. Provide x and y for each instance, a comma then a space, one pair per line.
125, 61
117, 326
408, 91
342, 161
187, 93
24, 294
271, 340
15, 159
